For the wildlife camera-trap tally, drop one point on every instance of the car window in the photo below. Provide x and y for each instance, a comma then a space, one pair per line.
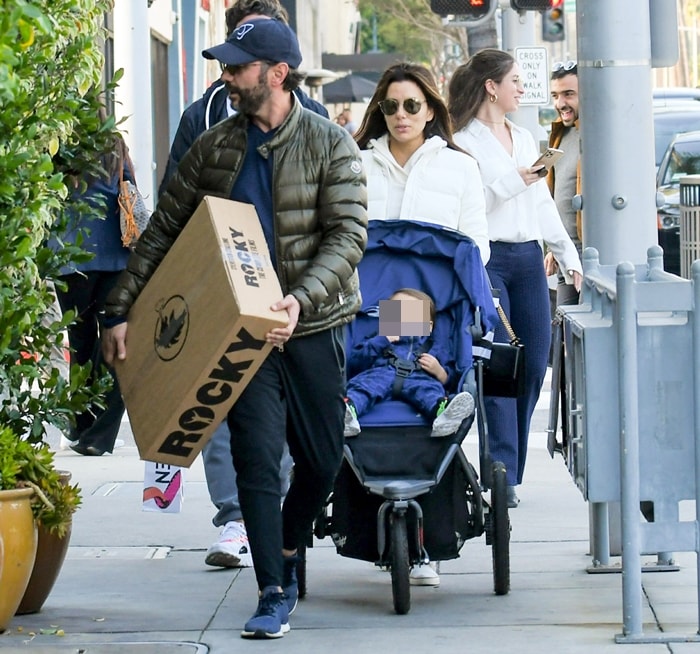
684, 159
667, 125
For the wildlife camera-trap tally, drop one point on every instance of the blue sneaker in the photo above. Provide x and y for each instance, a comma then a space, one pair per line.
290, 587
271, 619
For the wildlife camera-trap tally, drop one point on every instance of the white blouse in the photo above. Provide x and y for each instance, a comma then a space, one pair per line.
515, 212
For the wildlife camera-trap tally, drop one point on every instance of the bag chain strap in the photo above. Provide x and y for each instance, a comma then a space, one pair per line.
514, 340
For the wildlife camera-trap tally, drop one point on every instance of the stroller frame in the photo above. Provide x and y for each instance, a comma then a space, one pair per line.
406, 506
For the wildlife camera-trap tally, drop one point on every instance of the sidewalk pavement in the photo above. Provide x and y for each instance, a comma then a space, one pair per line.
136, 582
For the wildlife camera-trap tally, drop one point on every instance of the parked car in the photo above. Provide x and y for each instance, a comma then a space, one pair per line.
675, 93
671, 119
681, 158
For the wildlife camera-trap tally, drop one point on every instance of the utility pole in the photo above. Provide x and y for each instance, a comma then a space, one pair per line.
518, 29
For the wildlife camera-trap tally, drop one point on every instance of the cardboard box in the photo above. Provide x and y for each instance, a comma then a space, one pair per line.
196, 333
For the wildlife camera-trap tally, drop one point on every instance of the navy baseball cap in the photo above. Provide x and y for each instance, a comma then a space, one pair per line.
261, 39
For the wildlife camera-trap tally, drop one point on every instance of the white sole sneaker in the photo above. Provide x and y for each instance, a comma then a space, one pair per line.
424, 575
222, 559
232, 549
460, 407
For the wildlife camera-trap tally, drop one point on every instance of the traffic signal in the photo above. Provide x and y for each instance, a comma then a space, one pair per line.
530, 5
553, 22
469, 8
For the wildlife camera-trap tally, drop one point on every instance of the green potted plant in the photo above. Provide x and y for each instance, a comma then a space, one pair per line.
53, 501
51, 70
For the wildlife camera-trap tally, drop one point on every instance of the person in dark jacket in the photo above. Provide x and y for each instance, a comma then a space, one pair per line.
231, 549
83, 288
316, 235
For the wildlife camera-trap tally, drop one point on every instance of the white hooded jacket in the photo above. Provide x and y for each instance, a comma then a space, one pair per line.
437, 185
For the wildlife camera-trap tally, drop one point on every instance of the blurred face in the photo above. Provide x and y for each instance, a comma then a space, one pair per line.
564, 91
509, 90
247, 86
404, 315
404, 126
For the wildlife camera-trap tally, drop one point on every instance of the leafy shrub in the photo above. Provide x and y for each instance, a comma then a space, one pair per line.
50, 77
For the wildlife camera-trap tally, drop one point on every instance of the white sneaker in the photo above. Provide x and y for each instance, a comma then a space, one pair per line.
424, 575
232, 549
448, 422
352, 425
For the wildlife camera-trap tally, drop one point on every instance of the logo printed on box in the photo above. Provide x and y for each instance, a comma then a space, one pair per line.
171, 327
216, 389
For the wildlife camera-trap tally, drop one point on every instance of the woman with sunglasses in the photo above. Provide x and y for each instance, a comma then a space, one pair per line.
416, 172
521, 215
414, 169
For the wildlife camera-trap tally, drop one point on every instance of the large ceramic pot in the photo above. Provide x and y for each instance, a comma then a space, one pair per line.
18, 536
50, 554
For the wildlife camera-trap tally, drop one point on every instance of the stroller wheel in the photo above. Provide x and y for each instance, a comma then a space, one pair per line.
400, 567
499, 526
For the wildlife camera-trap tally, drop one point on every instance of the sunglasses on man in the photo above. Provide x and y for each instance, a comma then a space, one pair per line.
563, 65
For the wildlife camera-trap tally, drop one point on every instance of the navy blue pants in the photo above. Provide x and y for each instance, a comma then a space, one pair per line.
419, 389
517, 270
297, 395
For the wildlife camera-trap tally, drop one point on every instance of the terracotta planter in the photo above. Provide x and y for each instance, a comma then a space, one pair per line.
18, 535
50, 554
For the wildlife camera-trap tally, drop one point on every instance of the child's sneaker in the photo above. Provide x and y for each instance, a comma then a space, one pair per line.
352, 425
424, 575
271, 619
448, 422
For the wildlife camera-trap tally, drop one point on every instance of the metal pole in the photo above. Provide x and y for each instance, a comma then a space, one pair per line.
518, 30
614, 69
599, 534
695, 271
629, 451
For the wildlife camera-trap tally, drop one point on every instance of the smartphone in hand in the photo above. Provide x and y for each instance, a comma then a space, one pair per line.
547, 159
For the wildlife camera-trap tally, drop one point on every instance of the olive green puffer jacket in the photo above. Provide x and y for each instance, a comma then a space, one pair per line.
320, 202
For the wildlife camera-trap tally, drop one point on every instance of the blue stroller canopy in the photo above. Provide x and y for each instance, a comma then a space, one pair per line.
438, 261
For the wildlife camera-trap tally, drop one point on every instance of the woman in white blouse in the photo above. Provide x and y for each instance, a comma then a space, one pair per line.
521, 215
414, 169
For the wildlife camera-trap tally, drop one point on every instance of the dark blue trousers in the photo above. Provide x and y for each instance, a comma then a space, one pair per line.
86, 293
419, 389
517, 270
297, 395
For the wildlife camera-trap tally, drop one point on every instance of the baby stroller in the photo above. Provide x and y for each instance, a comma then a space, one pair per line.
402, 498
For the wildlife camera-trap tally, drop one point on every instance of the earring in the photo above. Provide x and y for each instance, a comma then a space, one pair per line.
493, 98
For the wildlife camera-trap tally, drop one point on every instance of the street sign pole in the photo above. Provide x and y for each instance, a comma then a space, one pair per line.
518, 29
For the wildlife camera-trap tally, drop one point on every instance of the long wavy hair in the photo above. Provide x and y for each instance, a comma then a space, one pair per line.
373, 123
467, 88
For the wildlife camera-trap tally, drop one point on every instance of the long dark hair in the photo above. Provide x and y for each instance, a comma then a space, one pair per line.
467, 90
373, 124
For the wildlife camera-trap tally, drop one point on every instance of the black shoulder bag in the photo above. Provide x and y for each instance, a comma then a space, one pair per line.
504, 372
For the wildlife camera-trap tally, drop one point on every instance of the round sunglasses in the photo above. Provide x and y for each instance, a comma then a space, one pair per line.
563, 65
390, 106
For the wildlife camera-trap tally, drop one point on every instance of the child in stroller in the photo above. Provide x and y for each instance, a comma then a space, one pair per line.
403, 362
402, 497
